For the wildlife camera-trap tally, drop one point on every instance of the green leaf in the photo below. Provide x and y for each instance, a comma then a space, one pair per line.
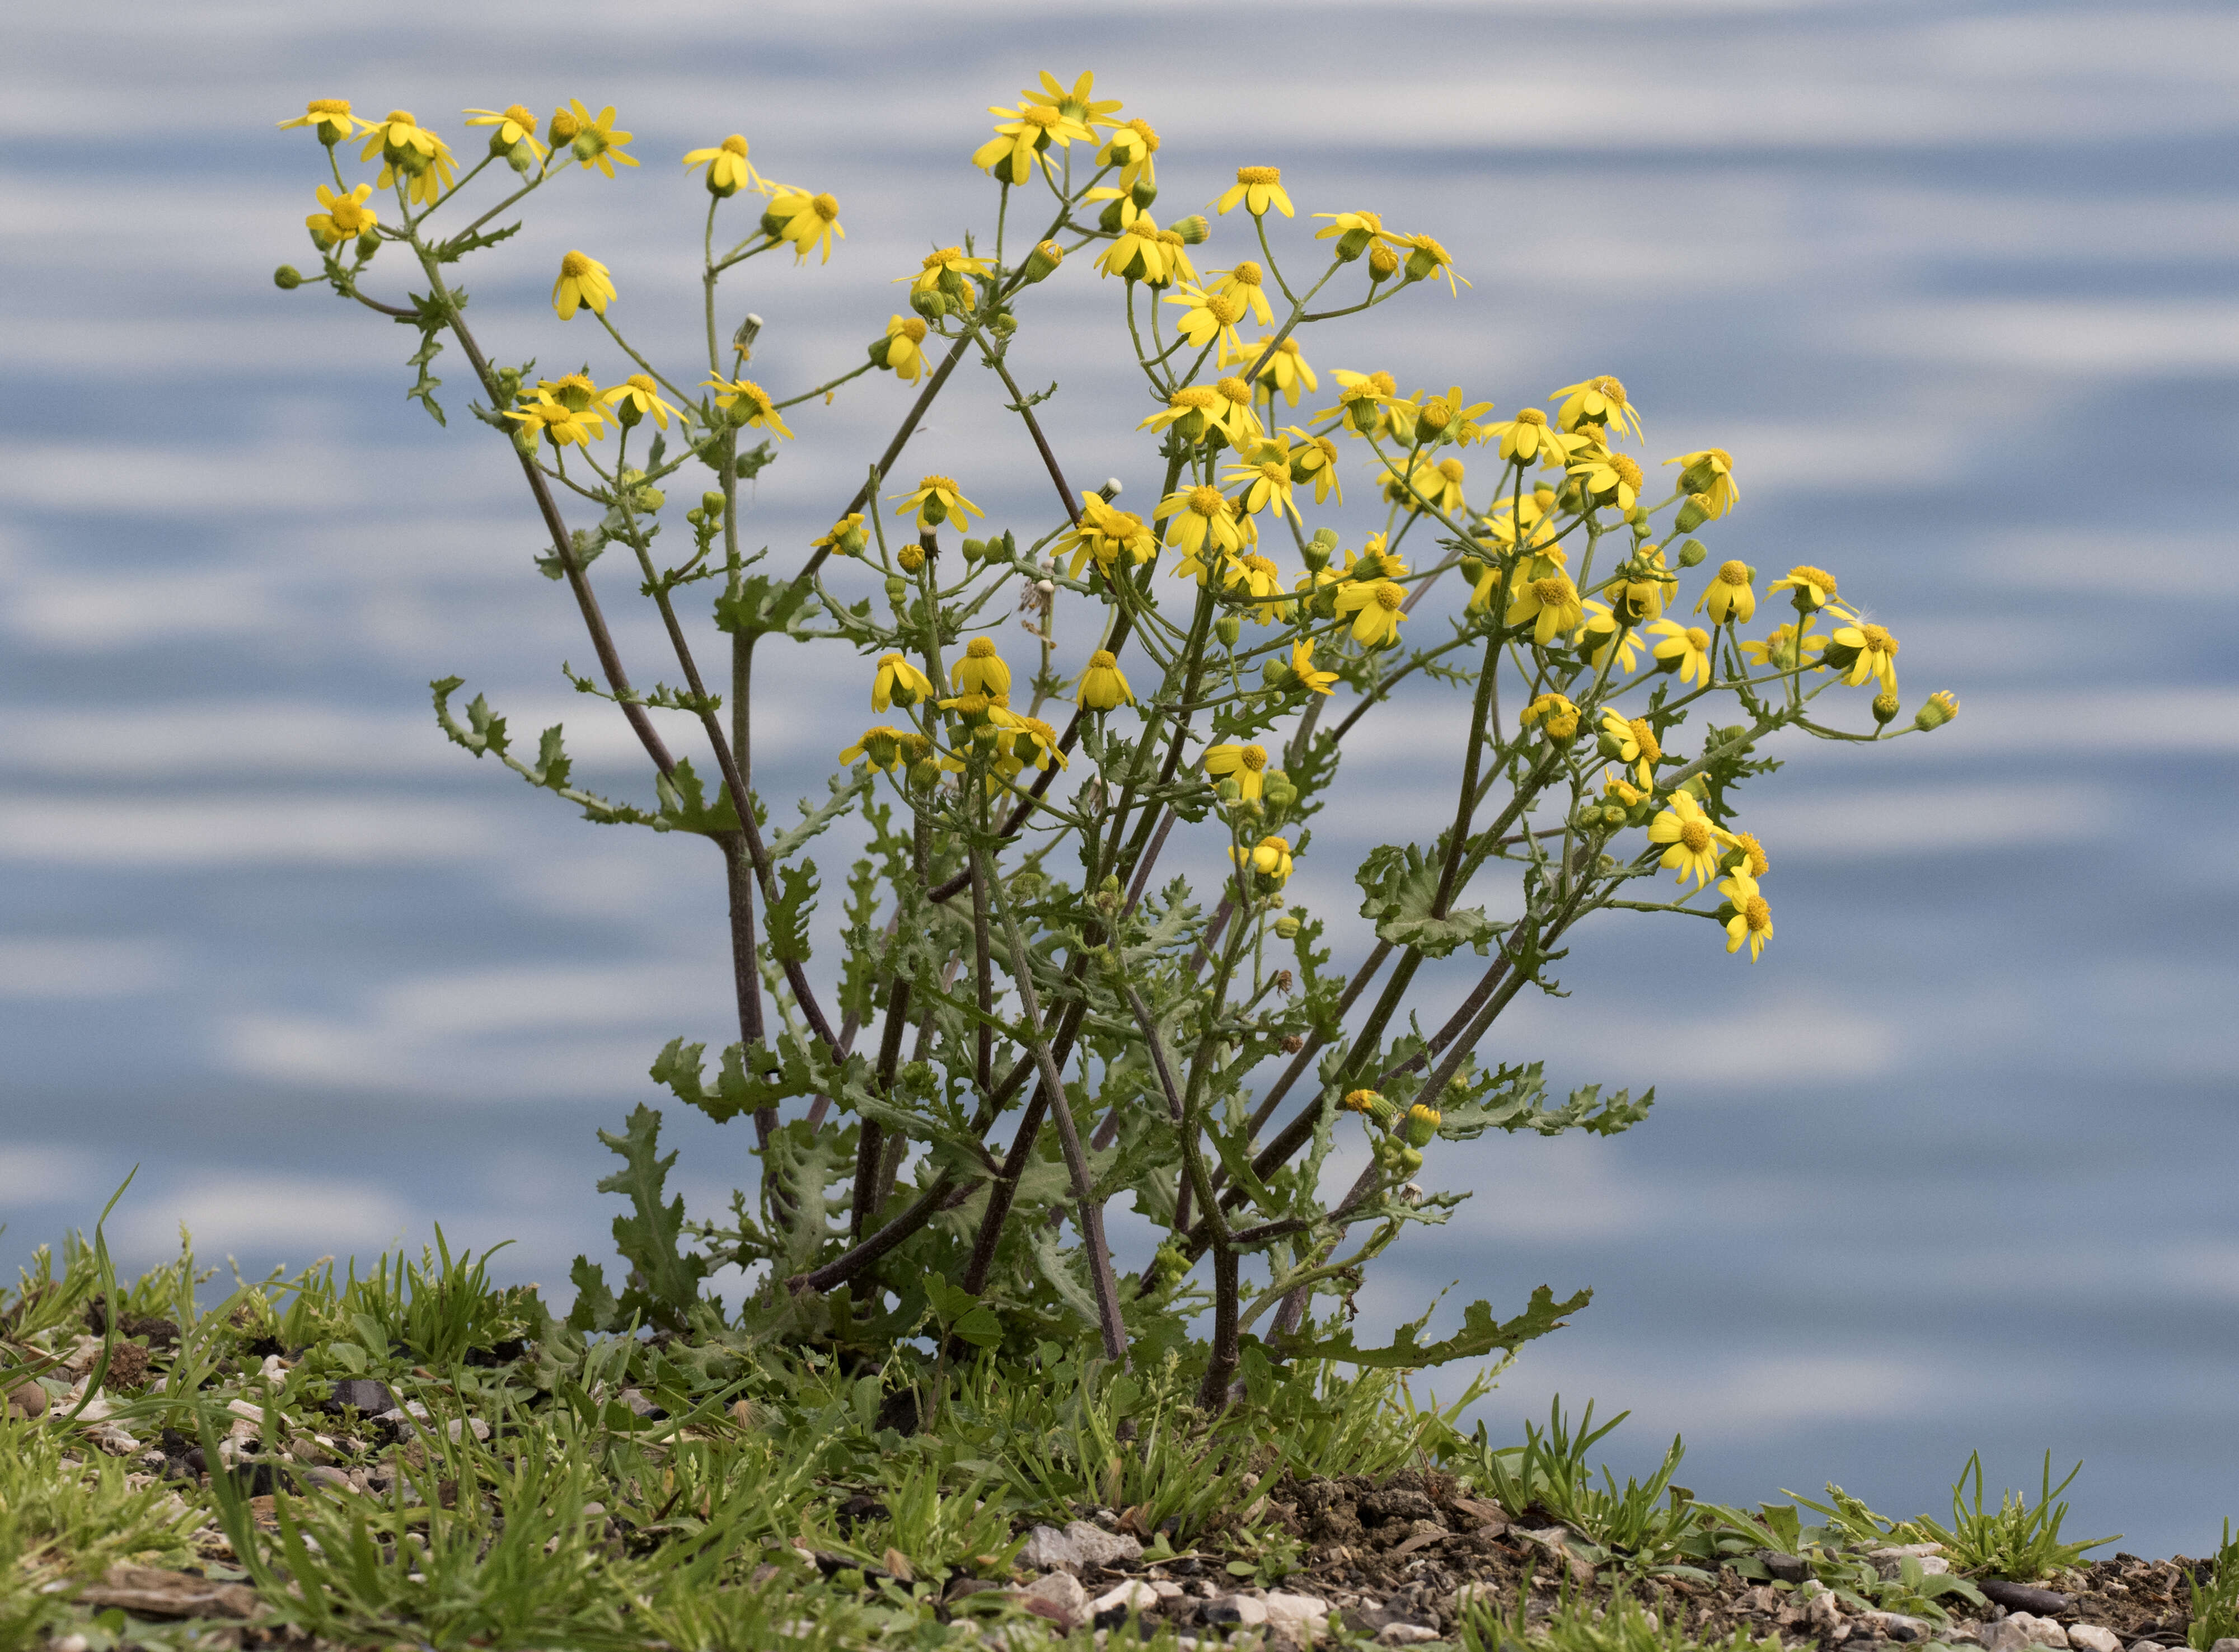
449, 252
788, 912
759, 603
595, 1308
1479, 1336
664, 1281
684, 803
1398, 887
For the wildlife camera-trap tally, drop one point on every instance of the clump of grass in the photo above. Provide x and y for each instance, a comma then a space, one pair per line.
2216, 1600
2019, 1540
1577, 1625
1550, 1471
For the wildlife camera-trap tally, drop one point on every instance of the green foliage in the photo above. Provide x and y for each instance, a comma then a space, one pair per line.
1480, 1335
1550, 1471
61, 1524
664, 1280
2018, 1540
1398, 886
1577, 1625
2215, 1600
435, 1309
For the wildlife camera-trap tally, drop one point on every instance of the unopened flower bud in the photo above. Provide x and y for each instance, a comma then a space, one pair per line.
1279, 791
1694, 513
711, 502
1288, 928
1471, 571
1193, 229
1352, 244
1228, 627
897, 589
1422, 1124
974, 549
1228, 791
1002, 323
1383, 262
1699, 477
1885, 708
1042, 262
696, 516
287, 278
1691, 554
911, 556
1143, 193
925, 775
931, 305
877, 350
1320, 548
519, 157
1941, 707
1113, 218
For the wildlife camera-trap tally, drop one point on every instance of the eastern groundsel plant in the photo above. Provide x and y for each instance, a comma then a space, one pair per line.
1026, 1023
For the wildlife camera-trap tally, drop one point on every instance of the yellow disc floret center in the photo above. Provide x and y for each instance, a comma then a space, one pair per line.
1389, 596
1695, 836
1254, 757
1206, 501
574, 264
1258, 174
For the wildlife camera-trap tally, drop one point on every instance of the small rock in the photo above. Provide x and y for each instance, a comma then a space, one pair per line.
152, 1592
2092, 1638
1296, 1613
1404, 1634
2020, 1598
1788, 1568
72, 1644
1233, 1609
1079, 1545
1890, 1562
117, 1442
334, 1479
2228, 1643
1060, 1591
1898, 1627
1131, 1595
362, 1394
1166, 1588
641, 1405
2018, 1630
28, 1400
458, 1425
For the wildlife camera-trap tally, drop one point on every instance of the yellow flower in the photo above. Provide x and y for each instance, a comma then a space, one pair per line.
1695, 843
1752, 918
937, 500
1437, 485
1600, 401
1374, 562
1778, 650
1631, 742
1191, 408
1361, 399
1137, 254
1257, 188
948, 261
1936, 710
1689, 646
1201, 516
736, 393
729, 170
1246, 281
636, 397
1555, 713
1375, 609
1208, 316
1861, 651
981, 671
1622, 792
905, 346
1752, 859
1641, 597
1078, 101
1107, 534
1315, 460
1132, 148
1355, 232
1729, 594
845, 538
346, 217
410, 150
1709, 474
1270, 858
1303, 672
1287, 370
883, 745
1268, 472
1551, 603
1035, 742
1103, 684
515, 126
1427, 260
329, 119
1814, 587
595, 142
1261, 583
583, 280
1021, 137
1600, 633
568, 420
1245, 762
1527, 439
807, 221
1500, 528
899, 683
1609, 478
1233, 411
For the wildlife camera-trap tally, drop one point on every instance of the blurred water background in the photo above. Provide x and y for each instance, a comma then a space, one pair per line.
1951, 1169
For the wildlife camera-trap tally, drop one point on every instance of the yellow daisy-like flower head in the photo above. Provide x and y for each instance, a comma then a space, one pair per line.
346, 217
1779, 649
1304, 675
329, 119
1863, 650
1747, 855
1376, 609
981, 671
1270, 858
515, 126
1207, 317
948, 271
1355, 232
1813, 587
883, 745
638, 397
409, 150
1600, 633
1696, 845
1729, 595
1528, 439
902, 350
807, 221
1313, 459
1193, 409
1686, 649
1708, 475
567, 421
1078, 101
938, 499
1035, 743
1631, 741
1257, 188
1609, 478
1551, 603
844, 538
1265, 471
1427, 260
1936, 710
1752, 922
897, 683
1554, 715
1021, 137
1361, 400
746, 403
595, 142
1233, 414
1287, 370
583, 280
1199, 516
1104, 535
1103, 685
1246, 281
1246, 764
1597, 402
1137, 254
729, 170
1132, 148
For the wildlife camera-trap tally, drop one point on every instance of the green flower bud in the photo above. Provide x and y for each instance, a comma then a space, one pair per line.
1228, 628
1228, 791
1113, 219
1288, 928
1699, 477
1694, 513
1143, 193
1352, 244
287, 278
1041, 264
1471, 571
1002, 323
519, 157
974, 549
696, 516
1383, 264
1411, 1160
897, 591
367, 246
1422, 1125
1691, 554
1320, 548
711, 502
931, 305
1885, 708
1941, 707
1193, 229
933, 512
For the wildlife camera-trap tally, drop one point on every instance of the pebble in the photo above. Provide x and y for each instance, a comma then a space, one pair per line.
2092, 1638
1132, 1596
2228, 1644
1788, 1568
362, 1394
1891, 1560
1063, 1591
28, 1400
1079, 1545
1404, 1634
1296, 1613
1234, 1608
2019, 1630
320, 1474
2020, 1598
481, 1429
